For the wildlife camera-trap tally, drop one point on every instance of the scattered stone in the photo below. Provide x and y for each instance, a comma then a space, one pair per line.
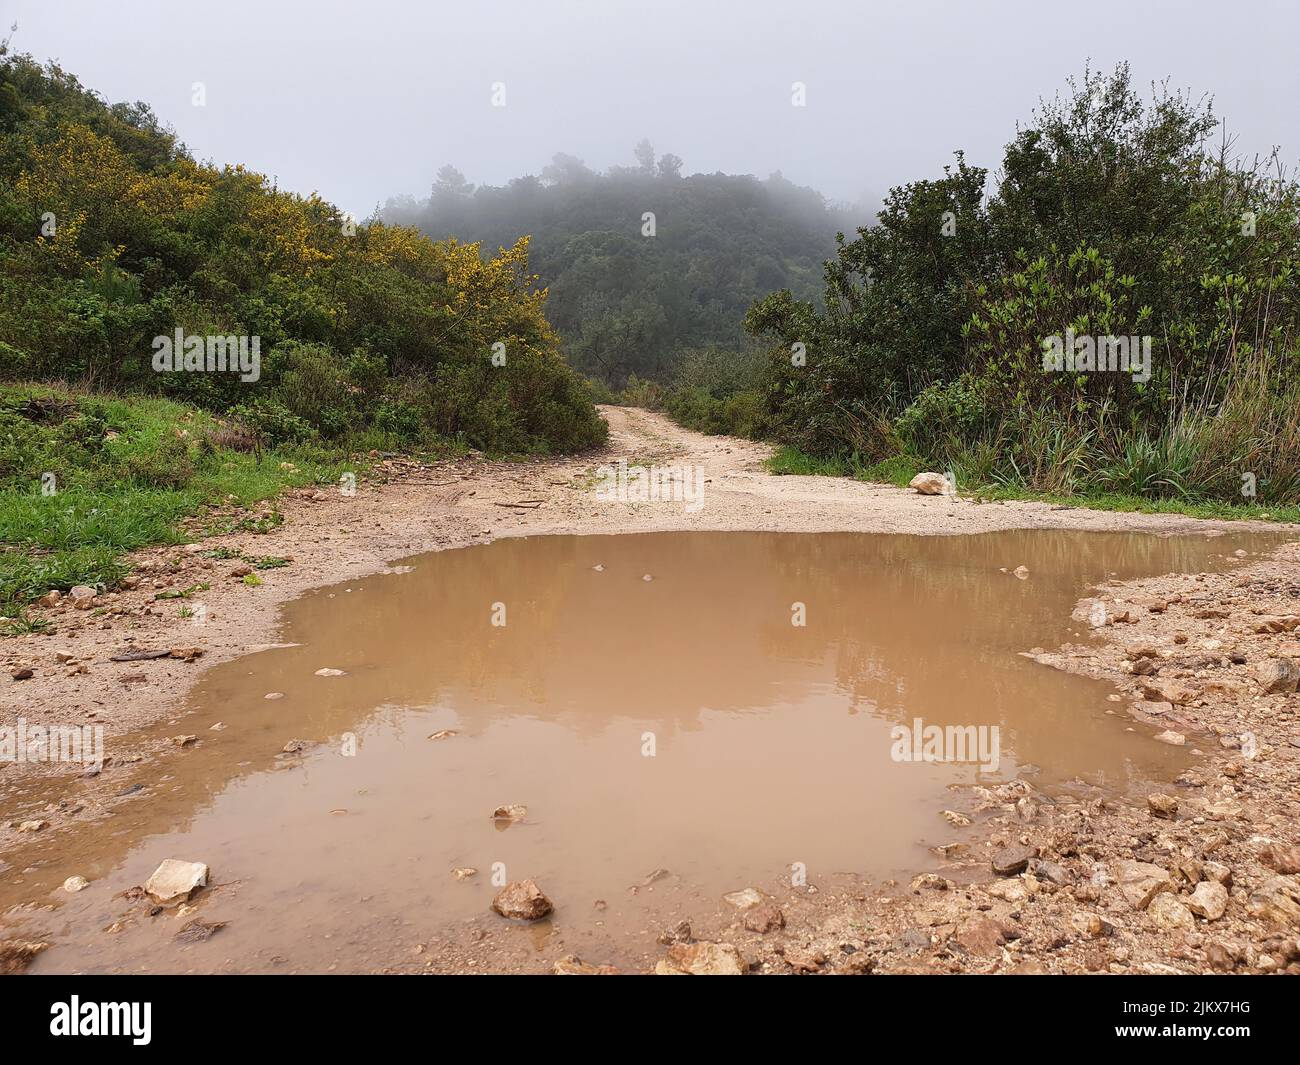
679, 933
83, 596
982, 936
1051, 872
1165, 806
1287, 623
1090, 924
1219, 873
1281, 857
1140, 882
31, 826
1167, 691
1277, 900
510, 814
929, 484
174, 881
956, 819
1221, 957
75, 883
932, 881
744, 899
273, 695
297, 746
1012, 860
522, 900
1021, 573
1209, 900
186, 654
328, 672
1026, 809
443, 734
22, 673
1277, 675
198, 930
464, 872
1169, 912
804, 959
764, 918
1009, 890
50, 599
701, 959
1175, 739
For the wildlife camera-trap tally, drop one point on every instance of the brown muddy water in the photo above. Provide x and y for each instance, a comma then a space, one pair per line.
682, 723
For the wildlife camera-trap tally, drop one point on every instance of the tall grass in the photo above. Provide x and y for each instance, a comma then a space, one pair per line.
1220, 447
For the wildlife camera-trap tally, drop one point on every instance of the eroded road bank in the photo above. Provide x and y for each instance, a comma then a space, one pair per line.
1064, 899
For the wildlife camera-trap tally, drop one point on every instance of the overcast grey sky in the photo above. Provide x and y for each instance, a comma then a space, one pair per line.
361, 101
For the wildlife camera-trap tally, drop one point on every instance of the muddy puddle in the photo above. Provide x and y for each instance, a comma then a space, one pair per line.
671, 738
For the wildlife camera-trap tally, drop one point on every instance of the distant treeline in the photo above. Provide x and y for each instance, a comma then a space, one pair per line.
626, 303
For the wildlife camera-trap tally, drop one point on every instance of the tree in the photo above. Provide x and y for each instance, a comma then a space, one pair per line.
670, 166
645, 156
450, 182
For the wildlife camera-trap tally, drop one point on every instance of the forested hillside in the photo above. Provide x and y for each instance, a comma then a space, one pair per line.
627, 300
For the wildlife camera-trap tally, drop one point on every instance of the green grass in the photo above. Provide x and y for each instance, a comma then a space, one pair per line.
126, 472
24, 625
1144, 505
897, 470
900, 469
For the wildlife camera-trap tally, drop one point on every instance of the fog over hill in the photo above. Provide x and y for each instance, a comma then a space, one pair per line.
643, 262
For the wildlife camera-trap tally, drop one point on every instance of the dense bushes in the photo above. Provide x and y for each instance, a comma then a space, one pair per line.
1111, 219
111, 235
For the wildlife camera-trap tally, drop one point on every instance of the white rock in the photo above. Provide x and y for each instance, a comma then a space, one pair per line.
743, 899
176, 880
930, 484
75, 883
